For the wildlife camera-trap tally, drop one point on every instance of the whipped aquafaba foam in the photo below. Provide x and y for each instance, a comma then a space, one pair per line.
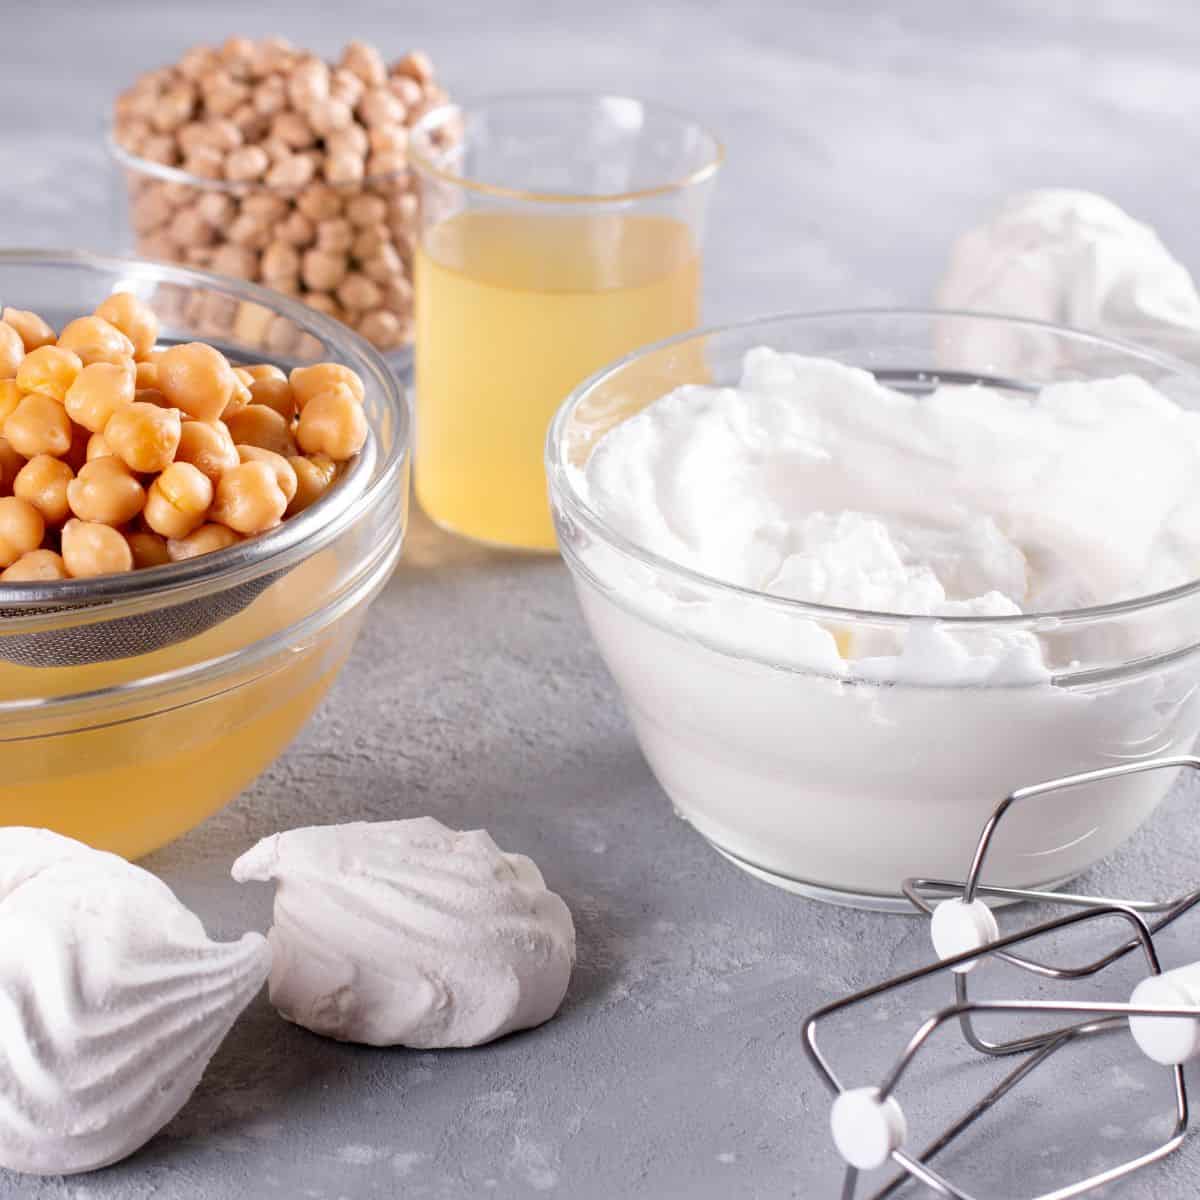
812, 481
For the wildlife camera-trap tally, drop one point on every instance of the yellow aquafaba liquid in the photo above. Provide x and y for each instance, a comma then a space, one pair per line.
513, 311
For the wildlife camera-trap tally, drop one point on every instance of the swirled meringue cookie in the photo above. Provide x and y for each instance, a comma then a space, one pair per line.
112, 1001
408, 933
1075, 258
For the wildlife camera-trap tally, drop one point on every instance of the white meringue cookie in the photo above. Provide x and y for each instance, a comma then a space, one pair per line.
408, 933
1075, 258
112, 1001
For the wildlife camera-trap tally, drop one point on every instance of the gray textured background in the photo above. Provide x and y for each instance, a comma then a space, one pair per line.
861, 137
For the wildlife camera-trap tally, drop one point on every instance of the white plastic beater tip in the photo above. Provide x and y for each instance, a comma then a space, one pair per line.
865, 1129
1168, 1040
958, 927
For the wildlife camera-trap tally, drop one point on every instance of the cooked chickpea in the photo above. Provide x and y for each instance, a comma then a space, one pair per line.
22, 528
285, 473
148, 549
308, 382
178, 500
265, 371
333, 423
276, 394
145, 375
144, 436
258, 425
12, 351
105, 492
95, 340
49, 369
37, 566
249, 499
204, 540
35, 333
39, 425
207, 446
10, 397
98, 392
10, 463
314, 475
134, 318
43, 481
97, 447
89, 549
198, 379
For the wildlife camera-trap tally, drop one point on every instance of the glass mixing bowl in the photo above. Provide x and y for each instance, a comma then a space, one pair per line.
841, 786
132, 707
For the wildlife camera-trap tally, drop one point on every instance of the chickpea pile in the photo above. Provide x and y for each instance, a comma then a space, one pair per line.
117, 454
310, 191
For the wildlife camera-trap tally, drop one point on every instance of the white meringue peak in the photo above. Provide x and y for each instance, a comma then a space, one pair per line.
409, 933
112, 1002
1075, 258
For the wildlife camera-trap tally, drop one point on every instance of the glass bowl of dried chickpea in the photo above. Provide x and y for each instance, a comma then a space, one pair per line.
259, 160
191, 530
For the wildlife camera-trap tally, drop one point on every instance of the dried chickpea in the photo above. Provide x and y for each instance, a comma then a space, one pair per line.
248, 498
308, 382
144, 436
105, 492
276, 394
148, 549
178, 500
382, 328
319, 202
285, 473
89, 549
10, 397
98, 392
197, 379
207, 446
37, 566
258, 425
10, 464
415, 65
314, 476
345, 169
323, 271
297, 230
12, 350
49, 369
134, 318
22, 528
357, 293
35, 333
43, 481
38, 425
333, 423
95, 340
204, 540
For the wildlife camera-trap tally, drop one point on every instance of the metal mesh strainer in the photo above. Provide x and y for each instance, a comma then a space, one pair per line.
76, 622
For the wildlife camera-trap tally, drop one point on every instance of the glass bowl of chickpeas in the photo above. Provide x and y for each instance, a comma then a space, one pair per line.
260, 160
191, 530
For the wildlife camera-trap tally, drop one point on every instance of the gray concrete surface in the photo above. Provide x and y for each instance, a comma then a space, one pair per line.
861, 137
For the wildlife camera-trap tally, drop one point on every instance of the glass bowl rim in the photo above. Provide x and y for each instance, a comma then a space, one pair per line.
290, 542
562, 483
429, 164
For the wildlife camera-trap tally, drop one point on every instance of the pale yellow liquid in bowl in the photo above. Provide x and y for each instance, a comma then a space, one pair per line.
513, 311
131, 776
